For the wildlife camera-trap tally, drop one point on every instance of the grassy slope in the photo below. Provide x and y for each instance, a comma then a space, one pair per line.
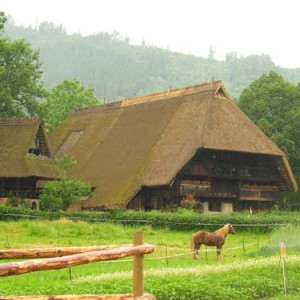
249, 269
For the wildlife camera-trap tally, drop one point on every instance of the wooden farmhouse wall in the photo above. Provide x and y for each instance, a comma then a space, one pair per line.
217, 178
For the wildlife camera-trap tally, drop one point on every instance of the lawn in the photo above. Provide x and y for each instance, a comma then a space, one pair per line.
250, 267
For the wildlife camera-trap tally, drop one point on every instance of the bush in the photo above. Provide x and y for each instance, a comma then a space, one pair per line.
189, 202
59, 195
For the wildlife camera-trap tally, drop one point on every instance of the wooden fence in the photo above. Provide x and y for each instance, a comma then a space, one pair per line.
63, 257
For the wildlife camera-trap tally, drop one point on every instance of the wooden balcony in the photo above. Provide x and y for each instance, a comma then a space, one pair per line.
259, 192
224, 170
259, 195
21, 192
202, 189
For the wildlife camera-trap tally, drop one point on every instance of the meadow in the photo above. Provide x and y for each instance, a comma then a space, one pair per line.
251, 267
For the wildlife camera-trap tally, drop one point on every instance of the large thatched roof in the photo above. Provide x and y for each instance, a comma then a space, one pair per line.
17, 136
145, 141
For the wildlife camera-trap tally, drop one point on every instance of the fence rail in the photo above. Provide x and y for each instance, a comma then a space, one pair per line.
80, 255
51, 252
82, 297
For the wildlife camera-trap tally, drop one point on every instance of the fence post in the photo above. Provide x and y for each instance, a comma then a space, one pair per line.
138, 273
167, 261
282, 251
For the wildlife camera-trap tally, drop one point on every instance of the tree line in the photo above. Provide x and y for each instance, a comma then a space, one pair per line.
116, 69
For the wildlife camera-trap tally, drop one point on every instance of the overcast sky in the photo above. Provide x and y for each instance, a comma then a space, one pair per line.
246, 27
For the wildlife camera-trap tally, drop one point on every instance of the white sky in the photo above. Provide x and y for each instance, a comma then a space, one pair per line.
246, 27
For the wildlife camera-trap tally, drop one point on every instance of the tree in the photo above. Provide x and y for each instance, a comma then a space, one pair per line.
3, 19
64, 98
60, 194
21, 87
274, 105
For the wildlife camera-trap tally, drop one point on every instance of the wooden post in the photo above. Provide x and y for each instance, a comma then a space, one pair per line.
167, 261
138, 273
282, 251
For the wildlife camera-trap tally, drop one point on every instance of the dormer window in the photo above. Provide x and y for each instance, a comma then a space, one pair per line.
35, 148
39, 145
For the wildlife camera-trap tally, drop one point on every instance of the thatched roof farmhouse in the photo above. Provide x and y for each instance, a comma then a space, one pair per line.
25, 160
155, 151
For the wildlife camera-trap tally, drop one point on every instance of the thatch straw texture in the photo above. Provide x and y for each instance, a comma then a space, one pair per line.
17, 136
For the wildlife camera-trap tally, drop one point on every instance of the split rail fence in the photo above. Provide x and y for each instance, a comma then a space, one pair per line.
64, 257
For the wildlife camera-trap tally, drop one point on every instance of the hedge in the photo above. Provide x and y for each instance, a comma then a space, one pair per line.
183, 219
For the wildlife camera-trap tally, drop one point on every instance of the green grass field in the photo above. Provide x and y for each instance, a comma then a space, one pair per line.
250, 267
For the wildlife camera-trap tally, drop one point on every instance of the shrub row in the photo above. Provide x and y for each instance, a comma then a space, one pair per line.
181, 220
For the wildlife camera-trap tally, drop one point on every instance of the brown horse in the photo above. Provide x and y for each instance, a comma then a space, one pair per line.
216, 238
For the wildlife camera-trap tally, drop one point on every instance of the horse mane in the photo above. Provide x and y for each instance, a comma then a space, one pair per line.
223, 231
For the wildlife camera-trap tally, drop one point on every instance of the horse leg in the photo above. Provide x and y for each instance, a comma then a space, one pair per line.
196, 251
194, 246
219, 248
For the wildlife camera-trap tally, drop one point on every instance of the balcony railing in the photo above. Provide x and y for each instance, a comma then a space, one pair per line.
228, 171
21, 192
259, 195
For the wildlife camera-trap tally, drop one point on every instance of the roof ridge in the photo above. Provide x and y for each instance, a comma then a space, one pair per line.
167, 94
171, 93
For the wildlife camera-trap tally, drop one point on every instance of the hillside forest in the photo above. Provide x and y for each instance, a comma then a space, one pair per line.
46, 72
115, 69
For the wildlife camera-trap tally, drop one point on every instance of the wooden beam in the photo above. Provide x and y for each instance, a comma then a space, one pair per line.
16, 268
50, 251
82, 297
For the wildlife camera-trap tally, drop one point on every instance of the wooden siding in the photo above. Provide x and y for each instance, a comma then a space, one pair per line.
216, 178
259, 192
20, 187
